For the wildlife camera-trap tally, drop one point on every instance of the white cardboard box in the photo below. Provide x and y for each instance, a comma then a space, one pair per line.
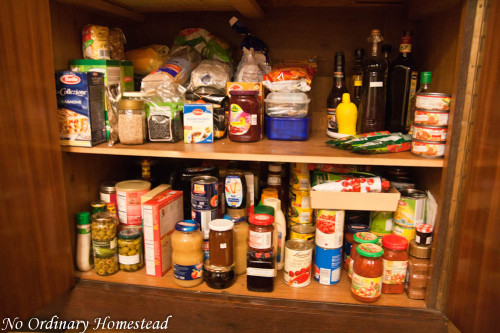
385, 202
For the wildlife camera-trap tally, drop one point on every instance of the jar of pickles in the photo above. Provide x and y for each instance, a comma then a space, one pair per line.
104, 243
130, 254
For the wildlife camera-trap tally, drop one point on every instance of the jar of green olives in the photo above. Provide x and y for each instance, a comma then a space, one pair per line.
104, 243
130, 250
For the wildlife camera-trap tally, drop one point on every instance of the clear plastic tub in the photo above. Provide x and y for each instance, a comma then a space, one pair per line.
289, 129
284, 104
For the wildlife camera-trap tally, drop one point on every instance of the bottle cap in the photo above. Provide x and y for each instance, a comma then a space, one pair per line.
83, 218
129, 234
425, 77
263, 209
221, 225
369, 250
420, 250
274, 167
346, 98
395, 242
365, 237
261, 219
186, 226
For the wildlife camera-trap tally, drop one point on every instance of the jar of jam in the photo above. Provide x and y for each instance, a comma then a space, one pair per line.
260, 271
350, 230
261, 232
218, 277
395, 261
244, 116
360, 238
221, 239
367, 273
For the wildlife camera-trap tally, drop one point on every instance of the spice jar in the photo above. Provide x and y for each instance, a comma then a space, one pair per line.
360, 238
260, 232
187, 254
260, 271
130, 250
351, 229
218, 277
131, 119
244, 116
367, 273
395, 261
104, 243
418, 269
240, 230
221, 240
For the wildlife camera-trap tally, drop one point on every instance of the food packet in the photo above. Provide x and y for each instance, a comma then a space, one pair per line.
95, 42
394, 143
338, 168
117, 44
148, 59
113, 96
252, 67
210, 74
320, 177
205, 43
355, 184
358, 139
291, 76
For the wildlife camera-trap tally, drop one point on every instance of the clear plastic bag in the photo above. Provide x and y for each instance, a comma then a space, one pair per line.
252, 67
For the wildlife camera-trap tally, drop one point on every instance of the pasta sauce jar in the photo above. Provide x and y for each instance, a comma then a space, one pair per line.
260, 232
360, 238
367, 273
395, 260
244, 116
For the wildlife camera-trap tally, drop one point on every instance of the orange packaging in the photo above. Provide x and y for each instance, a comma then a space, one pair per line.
250, 86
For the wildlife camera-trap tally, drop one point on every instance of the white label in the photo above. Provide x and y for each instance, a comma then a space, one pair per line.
121, 198
223, 245
418, 239
305, 217
260, 240
304, 184
377, 84
273, 180
297, 266
129, 260
254, 119
112, 244
388, 224
252, 271
306, 202
324, 276
106, 197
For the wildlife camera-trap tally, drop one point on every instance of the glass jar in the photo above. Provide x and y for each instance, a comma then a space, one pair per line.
131, 119
360, 238
107, 192
98, 206
244, 116
367, 273
187, 254
221, 239
130, 252
260, 232
218, 277
350, 230
395, 261
104, 243
260, 271
240, 230
418, 270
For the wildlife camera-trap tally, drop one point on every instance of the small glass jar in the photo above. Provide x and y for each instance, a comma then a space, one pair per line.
367, 273
221, 241
187, 254
418, 270
98, 206
260, 232
218, 277
104, 243
260, 271
360, 238
349, 241
130, 250
131, 119
240, 243
244, 116
395, 261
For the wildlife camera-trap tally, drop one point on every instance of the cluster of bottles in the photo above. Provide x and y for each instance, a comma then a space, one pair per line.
383, 93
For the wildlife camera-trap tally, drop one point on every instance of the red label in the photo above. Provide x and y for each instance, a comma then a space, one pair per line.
198, 112
70, 79
127, 79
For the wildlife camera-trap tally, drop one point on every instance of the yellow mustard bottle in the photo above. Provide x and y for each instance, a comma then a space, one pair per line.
347, 115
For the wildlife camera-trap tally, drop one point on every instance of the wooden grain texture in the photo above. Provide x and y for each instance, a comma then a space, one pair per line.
107, 7
473, 293
219, 312
176, 5
35, 250
248, 8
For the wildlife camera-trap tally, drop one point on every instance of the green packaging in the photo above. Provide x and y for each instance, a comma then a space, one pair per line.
126, 75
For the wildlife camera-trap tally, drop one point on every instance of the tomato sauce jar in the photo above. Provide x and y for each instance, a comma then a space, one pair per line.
349, 241
244, 116
395, 260
367, 273
360, 238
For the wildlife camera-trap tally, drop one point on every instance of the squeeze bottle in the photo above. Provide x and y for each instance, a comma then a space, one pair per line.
347, 115
280, 230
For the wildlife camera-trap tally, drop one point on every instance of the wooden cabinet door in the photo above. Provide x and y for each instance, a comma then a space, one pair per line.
34, 232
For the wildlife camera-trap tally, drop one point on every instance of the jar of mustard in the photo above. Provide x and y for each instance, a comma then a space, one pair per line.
187, 254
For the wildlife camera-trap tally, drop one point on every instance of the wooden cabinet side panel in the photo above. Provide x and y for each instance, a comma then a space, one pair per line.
35, 251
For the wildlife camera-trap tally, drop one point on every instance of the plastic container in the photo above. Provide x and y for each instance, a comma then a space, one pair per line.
289, 129
285, 104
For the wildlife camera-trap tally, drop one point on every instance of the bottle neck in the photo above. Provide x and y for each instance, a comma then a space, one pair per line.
376, 47
405, 47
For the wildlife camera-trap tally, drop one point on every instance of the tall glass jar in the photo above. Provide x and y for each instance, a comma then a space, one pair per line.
240, 243
395, 261
104, 243
244, 116
131, 119
130, 250
360, 238
367, 273
187, 254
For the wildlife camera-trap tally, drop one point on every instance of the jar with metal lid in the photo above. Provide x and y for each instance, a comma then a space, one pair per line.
98, 206
131, 119
395, 261
107, 192
260, 232
221, 240
240, 230
244, 116
367, 273
418, 270
260, 271
130, 254
104, 243
218, 277
187, 254
351, 229
360, 238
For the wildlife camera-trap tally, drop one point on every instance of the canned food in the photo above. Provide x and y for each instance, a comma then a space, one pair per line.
433, 101
107, 192
299, 168
203, 218
382, 223
300, 214
128, 196
327, 265
300, 199
431, 117
298, 260
204, 193
300, 182
411, 208
329, 228
404, 231
429, 133
302, 231
428, 149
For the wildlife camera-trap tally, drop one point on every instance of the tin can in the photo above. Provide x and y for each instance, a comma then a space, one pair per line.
431, 117
302, 231
298, 261
107, 192
128, 196
428, 149
382, 223
329, 228
327, 265
203, 218
404, 231
204, 193
429, 133
301, 182
300, 199
411, 208
433, 101
299, 168
206, 248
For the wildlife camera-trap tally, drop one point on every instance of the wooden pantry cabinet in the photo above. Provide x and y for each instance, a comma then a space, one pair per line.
44, 184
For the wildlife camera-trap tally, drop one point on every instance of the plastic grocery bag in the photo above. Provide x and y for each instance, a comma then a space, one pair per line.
210, 74
205, 43
252, 67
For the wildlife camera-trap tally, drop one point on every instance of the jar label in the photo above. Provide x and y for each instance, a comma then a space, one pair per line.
366, 287
129, 260
331, 120
240, 121
104, 248
260, 240
190, 272
298, 267
274, 180
394, 271
234, 191
263, 272
83, 229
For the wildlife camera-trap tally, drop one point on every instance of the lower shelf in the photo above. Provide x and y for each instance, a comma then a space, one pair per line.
339, 293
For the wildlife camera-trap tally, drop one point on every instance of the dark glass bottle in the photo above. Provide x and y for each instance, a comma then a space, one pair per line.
335, 96
402, 77
386, 54
357, 76
372, 108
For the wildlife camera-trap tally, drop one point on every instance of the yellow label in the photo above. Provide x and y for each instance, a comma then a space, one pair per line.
394, 271
366, 287
358, 83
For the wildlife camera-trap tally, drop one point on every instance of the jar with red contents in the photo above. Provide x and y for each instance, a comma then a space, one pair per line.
349, 241
367, 273
395, 260
244, 116
260, 232
360, 238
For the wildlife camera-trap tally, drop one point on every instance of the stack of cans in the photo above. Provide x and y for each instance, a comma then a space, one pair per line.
300, 213
409, 213
204, 205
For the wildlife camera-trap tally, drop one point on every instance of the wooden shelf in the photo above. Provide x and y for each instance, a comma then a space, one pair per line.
339, 293
313, 150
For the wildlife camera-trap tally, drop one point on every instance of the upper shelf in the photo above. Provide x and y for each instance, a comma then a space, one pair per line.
313, 150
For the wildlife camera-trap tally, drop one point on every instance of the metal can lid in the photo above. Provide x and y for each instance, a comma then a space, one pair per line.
108, 187
413, 193
304, 229
131, 104
129, 234
434, 94
103, 217
420, 250
204, 180
98, 204
299, 244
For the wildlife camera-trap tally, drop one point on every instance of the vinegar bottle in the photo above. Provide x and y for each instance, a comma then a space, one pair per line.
335, 96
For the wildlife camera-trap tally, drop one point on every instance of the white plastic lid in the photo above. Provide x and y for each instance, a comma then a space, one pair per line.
221, 225
133, 185
274, 167
287, 97
133, 94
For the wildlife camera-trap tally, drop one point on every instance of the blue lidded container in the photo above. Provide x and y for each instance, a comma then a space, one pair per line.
186, 226
289, 129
